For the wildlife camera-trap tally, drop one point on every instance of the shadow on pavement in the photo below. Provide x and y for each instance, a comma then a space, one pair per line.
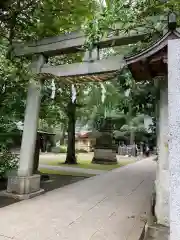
54, 182
57, 181
5, 201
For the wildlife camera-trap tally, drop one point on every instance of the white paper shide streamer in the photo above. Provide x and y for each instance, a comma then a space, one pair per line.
53, 88
73, 91
103, 93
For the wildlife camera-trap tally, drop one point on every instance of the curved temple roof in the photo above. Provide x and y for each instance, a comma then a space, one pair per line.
152, 61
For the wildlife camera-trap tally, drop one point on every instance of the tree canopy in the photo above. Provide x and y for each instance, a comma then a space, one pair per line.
35, 19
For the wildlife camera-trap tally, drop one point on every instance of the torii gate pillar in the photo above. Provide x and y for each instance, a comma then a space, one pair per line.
162, 173
174, 135
26, 185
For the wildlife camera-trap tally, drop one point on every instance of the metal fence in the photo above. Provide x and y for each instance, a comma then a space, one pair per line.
128, 150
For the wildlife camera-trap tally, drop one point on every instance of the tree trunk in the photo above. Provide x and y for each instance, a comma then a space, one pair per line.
71, 155
132, 137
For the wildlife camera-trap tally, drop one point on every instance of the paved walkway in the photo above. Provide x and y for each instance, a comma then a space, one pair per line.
109, 206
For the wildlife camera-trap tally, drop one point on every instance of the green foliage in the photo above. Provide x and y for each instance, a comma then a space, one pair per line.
13, 85
35, 19
142, 96
13, 76
135, 125
8, 162
63, 149
119, 16
28, 20
59, 149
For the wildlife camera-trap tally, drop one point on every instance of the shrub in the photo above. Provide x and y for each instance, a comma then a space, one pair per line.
63, 149
59, 149
8, 162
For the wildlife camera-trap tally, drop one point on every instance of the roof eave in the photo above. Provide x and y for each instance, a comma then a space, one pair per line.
154, 48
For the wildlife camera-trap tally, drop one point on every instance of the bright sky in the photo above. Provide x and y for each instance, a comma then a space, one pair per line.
102, 2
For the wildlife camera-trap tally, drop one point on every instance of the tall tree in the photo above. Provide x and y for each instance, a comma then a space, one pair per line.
35, 19
71, 113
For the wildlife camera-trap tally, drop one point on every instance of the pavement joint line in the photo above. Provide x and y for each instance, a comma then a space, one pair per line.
102, 227
133, 190
71, 223
102, 200
74, 221
94, 234
112, 214
1, 235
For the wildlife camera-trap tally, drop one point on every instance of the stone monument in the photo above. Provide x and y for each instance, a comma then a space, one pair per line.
104, 152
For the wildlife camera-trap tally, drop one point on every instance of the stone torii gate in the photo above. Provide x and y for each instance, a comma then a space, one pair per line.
161, 60
26, 184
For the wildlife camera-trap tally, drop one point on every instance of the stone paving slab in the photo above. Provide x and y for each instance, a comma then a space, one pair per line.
108, 207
